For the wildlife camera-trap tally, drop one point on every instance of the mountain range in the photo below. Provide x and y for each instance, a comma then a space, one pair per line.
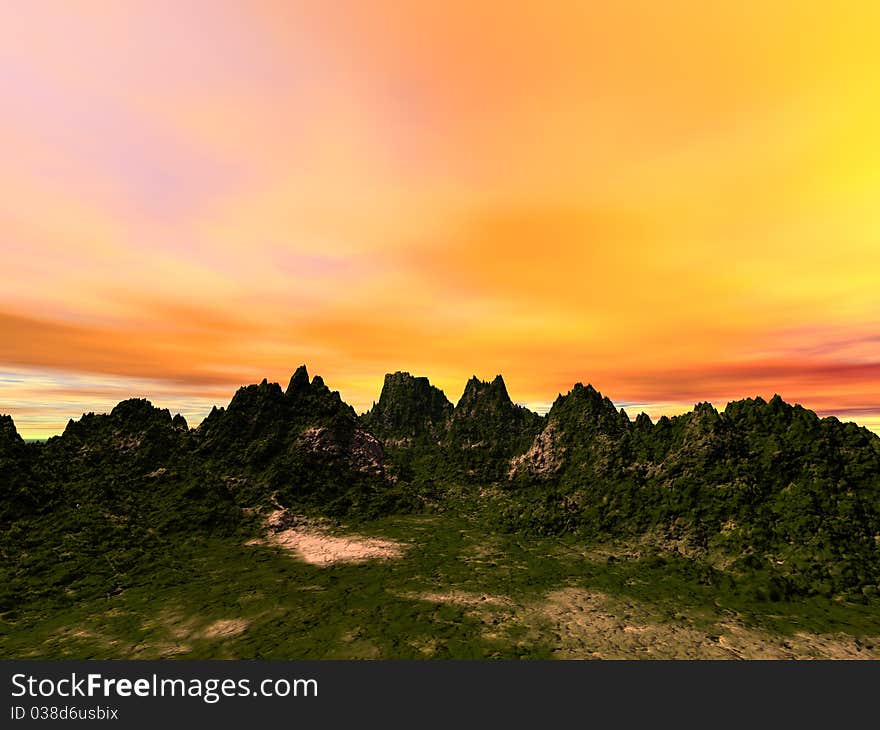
762, 492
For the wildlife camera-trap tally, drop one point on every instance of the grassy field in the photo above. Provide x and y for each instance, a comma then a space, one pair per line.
456, 591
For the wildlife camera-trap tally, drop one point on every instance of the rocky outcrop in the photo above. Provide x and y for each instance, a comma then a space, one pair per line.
265, 413
360, 448
302, 443
581, 426
486, 429
543, 459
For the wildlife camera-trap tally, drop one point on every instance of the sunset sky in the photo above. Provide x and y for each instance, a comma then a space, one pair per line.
674, 201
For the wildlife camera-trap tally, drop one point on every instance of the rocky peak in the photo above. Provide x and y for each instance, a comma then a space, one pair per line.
585, 408
480, 394
299, 381
264, 411
704, 412
324, 403
643, 422
485, 412
138, 414
9, 437
254, 399
498, 386
702, 421
408, 407
769, 416
581, 420
314, 398
131, 417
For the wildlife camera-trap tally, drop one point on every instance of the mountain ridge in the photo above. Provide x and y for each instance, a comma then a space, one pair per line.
759, 488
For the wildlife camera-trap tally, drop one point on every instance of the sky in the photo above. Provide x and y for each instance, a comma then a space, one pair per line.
675, 202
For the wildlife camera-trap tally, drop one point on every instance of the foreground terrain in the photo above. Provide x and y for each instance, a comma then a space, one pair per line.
431, 586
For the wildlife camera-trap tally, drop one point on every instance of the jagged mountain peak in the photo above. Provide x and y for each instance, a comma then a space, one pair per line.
8, 433
408, 407
481, 390
581, 419
704, 413
404, 378
643, 421
299, 381
139, 412
485, 416
255, 396
585, 403
499, 385
264, 411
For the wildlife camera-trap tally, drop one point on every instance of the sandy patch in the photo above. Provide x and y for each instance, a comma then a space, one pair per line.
110, 646
463, 598
67, 637
427, 646
174, 622
321, 548
497, 613
749, 644
159, 650
225, 628
314, 544
172, 632
586, 624
581, 624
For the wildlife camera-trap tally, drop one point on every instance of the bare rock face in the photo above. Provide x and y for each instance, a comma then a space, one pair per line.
366, 452
543, 459
361, 449
582, 424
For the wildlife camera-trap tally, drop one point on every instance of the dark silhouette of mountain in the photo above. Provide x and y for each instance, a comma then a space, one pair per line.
302, 443
134, 427
762, 488
485, 413
16, 486
9, 438
409, 408
485, 430
262, 422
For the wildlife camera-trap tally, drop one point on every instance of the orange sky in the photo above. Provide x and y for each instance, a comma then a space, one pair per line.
674, 201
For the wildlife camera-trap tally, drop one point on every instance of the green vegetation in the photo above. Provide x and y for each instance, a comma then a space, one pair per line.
290, 609
133, 535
